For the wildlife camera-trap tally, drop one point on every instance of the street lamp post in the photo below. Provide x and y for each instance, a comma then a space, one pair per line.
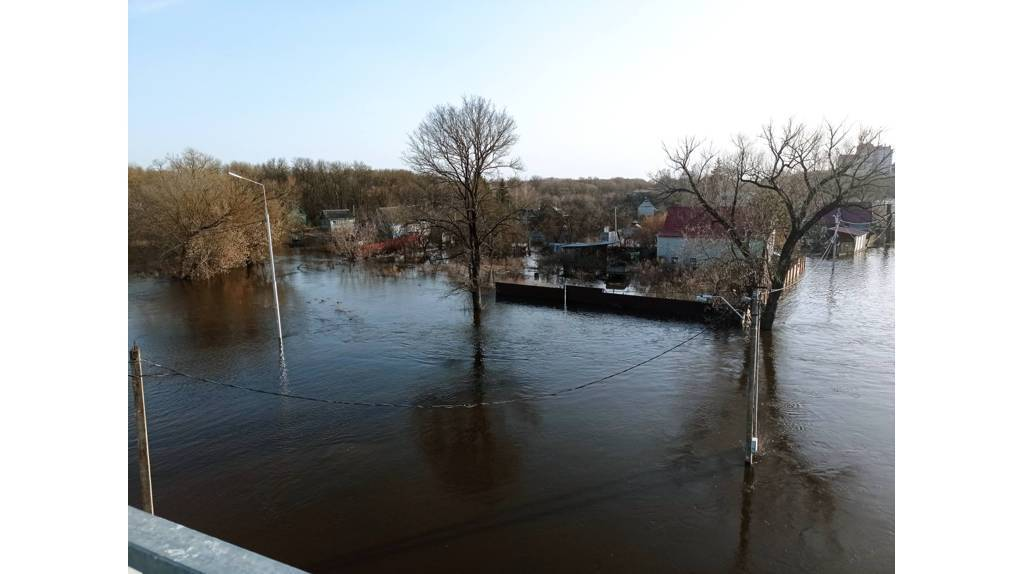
270, 247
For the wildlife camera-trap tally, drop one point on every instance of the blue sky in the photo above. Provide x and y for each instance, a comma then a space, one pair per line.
595, 87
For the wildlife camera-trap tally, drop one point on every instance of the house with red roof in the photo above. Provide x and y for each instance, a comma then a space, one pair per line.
690, 236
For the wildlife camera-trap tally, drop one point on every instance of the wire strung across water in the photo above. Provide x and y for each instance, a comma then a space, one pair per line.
535, 397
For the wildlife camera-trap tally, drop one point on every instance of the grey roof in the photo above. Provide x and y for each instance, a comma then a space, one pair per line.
853, 231
336, 214
583, 245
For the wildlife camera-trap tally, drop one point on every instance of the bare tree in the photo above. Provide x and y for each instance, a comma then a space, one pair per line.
777, 186
459, 148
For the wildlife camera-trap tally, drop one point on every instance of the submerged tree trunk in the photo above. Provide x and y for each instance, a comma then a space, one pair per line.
474, 266
474, 288
777, 281
771, 306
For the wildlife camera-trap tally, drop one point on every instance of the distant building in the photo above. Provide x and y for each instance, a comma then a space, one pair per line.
871, 158
337, 220
610, 237
690, 236
646, 209
398, 220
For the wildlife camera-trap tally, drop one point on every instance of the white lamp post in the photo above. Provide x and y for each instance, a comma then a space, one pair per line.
270, 247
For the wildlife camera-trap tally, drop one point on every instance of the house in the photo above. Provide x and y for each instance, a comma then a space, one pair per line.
854, 226
850, 240
337, 220
646, 209
398, 220
691, 236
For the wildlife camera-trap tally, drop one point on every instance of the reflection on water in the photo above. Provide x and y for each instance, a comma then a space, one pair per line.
467, 448
642, 473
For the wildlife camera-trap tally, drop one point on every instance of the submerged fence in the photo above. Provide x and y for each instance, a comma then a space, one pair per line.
598, 298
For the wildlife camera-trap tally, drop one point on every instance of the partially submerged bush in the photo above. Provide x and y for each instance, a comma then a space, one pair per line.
728, 278
189, 219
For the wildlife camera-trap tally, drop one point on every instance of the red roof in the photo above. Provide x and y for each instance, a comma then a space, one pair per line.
691, 222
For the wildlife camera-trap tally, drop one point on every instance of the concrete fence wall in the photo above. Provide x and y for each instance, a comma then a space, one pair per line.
597, 298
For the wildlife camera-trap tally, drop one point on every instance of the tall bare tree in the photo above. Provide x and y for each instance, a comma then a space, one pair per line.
778, 186
459, 148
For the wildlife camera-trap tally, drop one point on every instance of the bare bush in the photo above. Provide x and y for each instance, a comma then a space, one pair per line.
188, 219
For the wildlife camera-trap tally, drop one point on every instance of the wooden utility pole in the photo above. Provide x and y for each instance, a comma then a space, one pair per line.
145, 478
755, 341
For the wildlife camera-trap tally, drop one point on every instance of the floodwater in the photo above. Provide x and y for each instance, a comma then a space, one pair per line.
641, 473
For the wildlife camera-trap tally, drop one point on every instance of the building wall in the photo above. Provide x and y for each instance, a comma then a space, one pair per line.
646, 210
685, 249
852, 243
341, 224
689, 250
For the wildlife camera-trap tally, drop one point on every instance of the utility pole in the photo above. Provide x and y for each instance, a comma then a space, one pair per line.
755, 342
141, 432
270, 247
835, 238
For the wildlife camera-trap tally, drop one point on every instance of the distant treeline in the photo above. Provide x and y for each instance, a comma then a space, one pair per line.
188, 219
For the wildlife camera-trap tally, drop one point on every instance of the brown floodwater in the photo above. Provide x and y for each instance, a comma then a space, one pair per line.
641, 473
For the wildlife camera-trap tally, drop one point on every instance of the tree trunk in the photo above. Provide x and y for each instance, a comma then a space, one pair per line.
474, 271
768, 313
474, 284
778, 281
477, 305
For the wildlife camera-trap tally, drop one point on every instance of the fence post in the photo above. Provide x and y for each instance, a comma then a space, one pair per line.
145, 477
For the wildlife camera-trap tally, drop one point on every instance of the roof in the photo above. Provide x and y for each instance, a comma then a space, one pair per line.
683, 221
583, 245
647, 202
849, 214
336, 214
853, 231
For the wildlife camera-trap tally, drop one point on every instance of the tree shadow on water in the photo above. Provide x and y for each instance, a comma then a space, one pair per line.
471, 451
784, 500
809, 502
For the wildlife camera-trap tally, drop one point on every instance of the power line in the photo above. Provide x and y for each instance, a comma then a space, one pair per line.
405, 405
